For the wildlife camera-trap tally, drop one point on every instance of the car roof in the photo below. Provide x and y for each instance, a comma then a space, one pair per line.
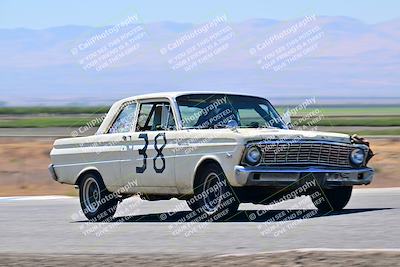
169, 95
172, 95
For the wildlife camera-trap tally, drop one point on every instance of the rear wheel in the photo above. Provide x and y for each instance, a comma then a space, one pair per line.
213, 195
97, 203
333, 199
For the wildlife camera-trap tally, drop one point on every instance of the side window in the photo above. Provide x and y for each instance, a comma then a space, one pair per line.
145, 119
155, 117
124, 122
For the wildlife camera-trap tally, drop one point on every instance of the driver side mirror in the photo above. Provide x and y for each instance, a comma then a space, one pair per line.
287, 119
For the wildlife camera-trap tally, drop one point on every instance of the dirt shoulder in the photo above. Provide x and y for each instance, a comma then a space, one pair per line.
290, 258
23, 168
24, 161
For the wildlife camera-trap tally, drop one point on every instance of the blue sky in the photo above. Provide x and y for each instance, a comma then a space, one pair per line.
50, 13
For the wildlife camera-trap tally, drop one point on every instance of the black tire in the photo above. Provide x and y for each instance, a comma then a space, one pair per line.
213, 195
334, 199
97, 203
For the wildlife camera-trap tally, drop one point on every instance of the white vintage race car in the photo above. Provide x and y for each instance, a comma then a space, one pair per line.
214, 150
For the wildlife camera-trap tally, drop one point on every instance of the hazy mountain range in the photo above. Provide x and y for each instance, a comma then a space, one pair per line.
349, 59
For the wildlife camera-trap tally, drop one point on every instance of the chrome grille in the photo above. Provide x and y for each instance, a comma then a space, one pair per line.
306, 153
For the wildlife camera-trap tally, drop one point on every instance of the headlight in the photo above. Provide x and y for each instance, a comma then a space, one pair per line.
253, 155
357, 156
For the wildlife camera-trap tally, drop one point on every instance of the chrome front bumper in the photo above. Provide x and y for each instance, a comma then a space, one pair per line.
326, 177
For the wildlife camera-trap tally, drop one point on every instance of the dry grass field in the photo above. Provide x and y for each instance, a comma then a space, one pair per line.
24, 161
23, 168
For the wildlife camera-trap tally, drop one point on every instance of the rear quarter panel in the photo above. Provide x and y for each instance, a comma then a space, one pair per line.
73, 156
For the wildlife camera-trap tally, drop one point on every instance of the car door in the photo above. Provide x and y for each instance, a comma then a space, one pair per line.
151, 148
113, 146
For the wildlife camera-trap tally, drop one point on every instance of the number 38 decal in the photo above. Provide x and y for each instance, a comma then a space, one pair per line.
159, 148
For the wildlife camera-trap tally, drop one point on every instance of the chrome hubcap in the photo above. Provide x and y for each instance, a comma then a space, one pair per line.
91, 194
212, 198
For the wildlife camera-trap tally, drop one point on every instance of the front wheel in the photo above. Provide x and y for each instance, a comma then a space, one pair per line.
213, 195
333, 199
97, 203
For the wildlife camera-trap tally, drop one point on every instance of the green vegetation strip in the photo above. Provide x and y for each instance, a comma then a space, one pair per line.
77, 122
365, 121
45, 122
347, 111
52, 110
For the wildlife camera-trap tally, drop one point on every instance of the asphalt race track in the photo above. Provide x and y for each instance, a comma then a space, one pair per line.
53, 225
36, 225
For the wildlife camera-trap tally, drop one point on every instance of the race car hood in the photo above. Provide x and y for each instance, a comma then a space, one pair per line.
264, 134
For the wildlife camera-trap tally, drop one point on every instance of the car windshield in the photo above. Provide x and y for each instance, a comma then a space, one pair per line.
206, 111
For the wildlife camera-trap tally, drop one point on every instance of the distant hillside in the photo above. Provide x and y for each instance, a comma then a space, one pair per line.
346, 58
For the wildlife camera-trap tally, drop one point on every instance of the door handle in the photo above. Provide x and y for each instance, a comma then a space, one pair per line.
127, 137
